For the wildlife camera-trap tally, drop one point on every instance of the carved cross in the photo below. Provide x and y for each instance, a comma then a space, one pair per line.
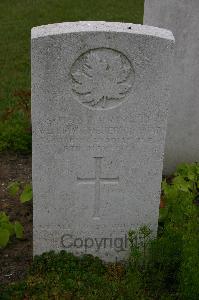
97, 180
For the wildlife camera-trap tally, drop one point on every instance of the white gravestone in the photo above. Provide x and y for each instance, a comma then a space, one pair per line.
99, 109
182, 17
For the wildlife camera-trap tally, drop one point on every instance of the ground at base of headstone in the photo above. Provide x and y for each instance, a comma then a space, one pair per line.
16, 258
168, 270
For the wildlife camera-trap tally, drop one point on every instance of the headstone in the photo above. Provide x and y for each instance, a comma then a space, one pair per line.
99, 108
180, 16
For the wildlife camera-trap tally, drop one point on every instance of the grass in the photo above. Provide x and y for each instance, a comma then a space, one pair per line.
17, 19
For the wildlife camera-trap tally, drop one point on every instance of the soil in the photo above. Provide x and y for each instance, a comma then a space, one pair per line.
16, 258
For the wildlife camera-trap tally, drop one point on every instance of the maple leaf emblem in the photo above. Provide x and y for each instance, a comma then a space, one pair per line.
102, 76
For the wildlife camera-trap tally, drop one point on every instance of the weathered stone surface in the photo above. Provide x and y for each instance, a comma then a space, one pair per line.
180, 16
99, 109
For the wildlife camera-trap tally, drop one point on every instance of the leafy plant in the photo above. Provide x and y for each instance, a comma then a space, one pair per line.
175, 254
168, 266
26, 194
23, 191
8, 229
13, 188
139, 240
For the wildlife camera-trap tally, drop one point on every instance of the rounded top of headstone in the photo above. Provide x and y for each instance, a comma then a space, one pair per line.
89, 26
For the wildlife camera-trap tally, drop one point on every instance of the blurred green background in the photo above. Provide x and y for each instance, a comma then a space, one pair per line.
16, 20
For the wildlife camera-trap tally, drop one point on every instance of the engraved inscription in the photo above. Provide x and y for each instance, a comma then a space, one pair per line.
97, 180
102, 78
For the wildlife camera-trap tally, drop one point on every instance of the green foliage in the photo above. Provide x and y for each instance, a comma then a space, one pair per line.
23, 191
64, 276
163, 212
188, 223
4, 237
13, 188
174, 256
21, 104
166, 267
15, 125
18, 228
14, 136
8, 229
139, 240
26, 195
